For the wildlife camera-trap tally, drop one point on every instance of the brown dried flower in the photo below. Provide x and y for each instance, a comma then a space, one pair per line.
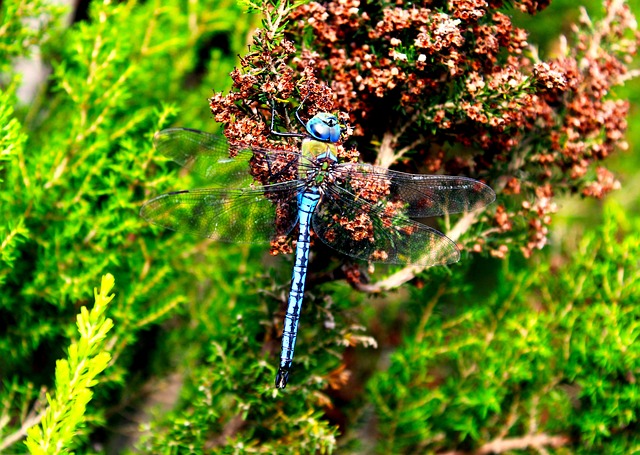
454, 88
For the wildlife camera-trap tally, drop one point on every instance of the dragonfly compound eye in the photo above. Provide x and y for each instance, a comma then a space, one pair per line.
324, 127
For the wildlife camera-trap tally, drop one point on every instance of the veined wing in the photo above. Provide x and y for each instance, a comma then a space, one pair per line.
232, 215
423, 195
378, 233
209, 155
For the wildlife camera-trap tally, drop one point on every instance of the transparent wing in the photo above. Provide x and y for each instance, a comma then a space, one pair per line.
423, 195
378, 233
210, 156
245, 216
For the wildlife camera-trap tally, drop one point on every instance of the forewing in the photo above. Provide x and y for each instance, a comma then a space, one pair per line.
220, 164
378, 233
245, 216
422, 195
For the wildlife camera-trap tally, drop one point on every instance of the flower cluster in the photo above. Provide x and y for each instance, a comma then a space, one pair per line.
264, 82
458, 72
453, 86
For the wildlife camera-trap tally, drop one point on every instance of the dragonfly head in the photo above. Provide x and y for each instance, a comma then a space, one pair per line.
324, 127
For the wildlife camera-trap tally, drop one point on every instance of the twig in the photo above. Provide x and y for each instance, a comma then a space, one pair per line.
529, 441
604, 27
29, 422
385, 152
386, 155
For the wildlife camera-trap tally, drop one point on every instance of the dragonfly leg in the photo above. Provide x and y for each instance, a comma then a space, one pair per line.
276, 133
298, 111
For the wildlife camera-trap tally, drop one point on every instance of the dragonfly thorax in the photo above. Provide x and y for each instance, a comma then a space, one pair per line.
321, 171
324, 127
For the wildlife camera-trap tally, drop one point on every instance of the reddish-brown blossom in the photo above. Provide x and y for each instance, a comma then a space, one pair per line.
458, 89
281, 245
372, 190
359, 228
353, 274
478, 246
551, 76
487, 42
512, 186
475, 83
605, 183
351, 154
379, 256
502, 219
440, 33
531, 6
500, 252
468, 10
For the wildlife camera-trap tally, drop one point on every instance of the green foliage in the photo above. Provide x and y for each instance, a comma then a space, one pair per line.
486, 355
552, 352
77, 162
11, 145
231, 405
11, 139
24, 26
75, 376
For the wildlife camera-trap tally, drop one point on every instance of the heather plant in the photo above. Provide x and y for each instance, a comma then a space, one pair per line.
507, 351
75, 377
463, 94
76, 163
551, 363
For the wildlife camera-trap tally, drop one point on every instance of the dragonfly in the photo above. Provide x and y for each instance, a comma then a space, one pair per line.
258, 194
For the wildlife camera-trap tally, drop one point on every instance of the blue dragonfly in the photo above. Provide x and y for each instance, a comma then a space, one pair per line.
262, 194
